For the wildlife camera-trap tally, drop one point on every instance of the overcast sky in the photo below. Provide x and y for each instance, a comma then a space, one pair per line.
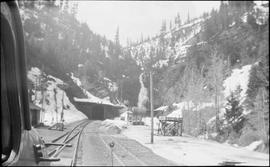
136, 18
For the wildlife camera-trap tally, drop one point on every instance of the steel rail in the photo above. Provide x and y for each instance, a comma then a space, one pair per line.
59, 149
58, 138
56, 151
73, 161
70, 132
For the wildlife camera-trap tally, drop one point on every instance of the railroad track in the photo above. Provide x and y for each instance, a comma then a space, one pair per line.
121, 154
66, 146
128, 152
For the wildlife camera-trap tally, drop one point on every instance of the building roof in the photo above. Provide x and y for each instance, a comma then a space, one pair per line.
178, 113
32, 106
161, 108
96, 101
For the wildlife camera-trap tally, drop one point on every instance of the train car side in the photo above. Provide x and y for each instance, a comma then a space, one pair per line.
18, 137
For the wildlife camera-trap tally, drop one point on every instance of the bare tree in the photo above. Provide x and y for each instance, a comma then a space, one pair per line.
216, 76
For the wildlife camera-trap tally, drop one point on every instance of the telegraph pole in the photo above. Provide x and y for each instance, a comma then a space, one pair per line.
42, 93
151, 108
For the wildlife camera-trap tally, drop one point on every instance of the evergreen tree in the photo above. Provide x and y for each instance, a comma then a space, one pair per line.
258, 119
234, 111
177, 20
224, 16
162, 40
117, 42
188, 18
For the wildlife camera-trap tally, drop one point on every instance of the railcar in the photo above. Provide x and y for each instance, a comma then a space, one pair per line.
21, 144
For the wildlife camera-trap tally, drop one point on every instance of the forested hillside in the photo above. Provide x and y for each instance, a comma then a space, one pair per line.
56, 40
192, 61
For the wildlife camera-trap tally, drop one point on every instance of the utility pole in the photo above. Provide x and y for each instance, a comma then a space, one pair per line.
151, 108
121, 90
43, 96
62, 112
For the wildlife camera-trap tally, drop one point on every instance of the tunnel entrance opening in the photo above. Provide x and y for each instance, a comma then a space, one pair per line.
98, 112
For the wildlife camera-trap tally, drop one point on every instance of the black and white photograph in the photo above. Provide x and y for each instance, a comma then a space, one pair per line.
134, 83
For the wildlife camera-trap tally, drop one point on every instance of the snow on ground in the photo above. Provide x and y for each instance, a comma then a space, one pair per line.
119, 123
232, 24
161, 63
262, 14
113, 126
239, 77
244, 17
76, 80
50, 116
33, 74
212, 120
181, 47
147, 122
193, 151
254, 145
124, 115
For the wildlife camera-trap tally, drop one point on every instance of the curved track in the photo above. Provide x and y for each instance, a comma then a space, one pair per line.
68, 148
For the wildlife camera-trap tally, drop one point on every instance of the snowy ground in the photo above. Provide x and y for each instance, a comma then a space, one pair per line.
55, 99
193, 151
189, 150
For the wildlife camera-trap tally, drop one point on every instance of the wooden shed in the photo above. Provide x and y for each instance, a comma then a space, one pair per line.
35, 114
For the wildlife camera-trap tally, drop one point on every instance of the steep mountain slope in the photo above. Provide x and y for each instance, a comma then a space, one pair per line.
56, 41
194, 65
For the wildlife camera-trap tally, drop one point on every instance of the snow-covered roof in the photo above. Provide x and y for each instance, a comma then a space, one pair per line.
95, 100
161, 108
176, 113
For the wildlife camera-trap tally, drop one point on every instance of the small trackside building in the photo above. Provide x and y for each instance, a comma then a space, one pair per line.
35, 114
98, 109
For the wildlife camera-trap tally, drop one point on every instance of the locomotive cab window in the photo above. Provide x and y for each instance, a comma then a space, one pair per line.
11, 97
5, 115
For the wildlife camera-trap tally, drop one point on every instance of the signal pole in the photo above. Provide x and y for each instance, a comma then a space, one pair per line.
151, 108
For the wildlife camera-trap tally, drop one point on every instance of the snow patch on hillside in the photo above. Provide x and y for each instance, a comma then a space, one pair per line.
76, 80
262, 12
239, 77
90, 97
178, 51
